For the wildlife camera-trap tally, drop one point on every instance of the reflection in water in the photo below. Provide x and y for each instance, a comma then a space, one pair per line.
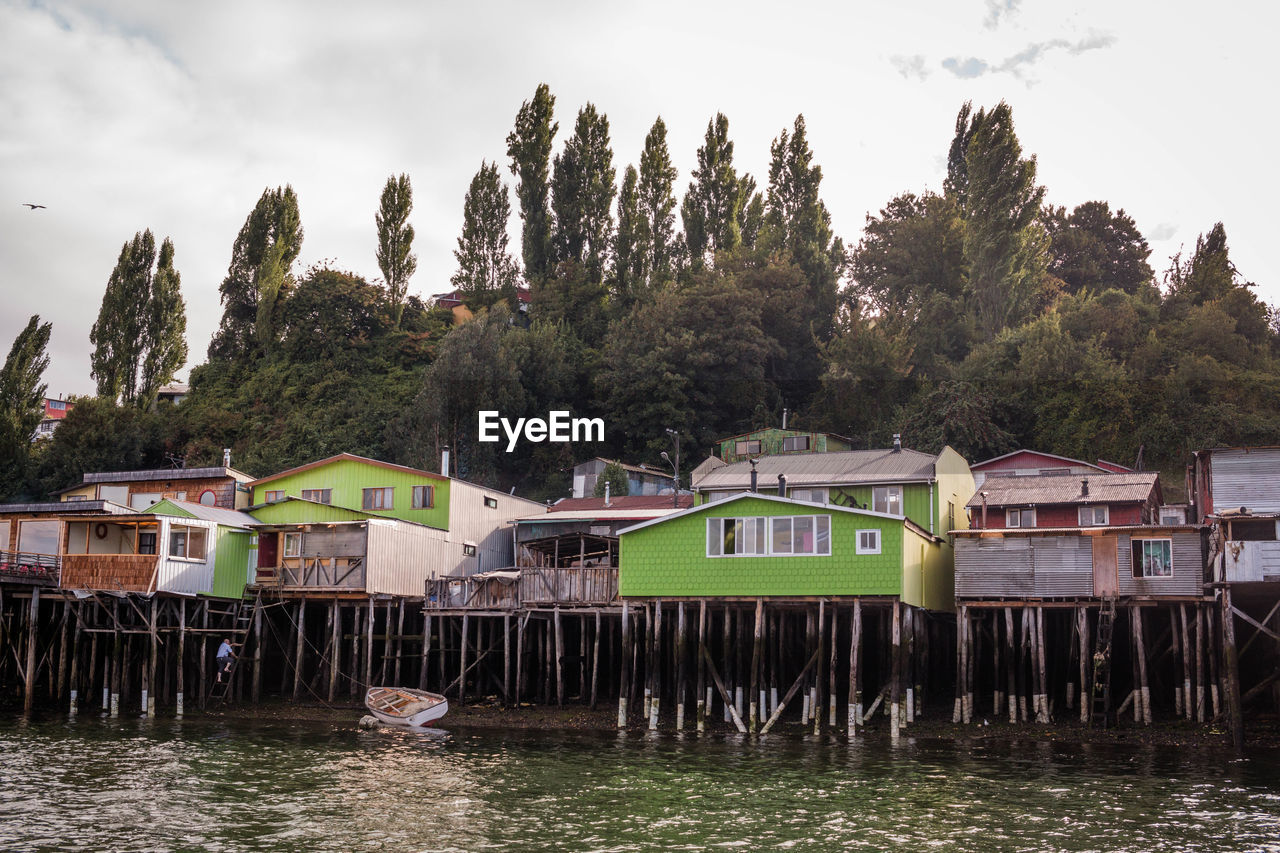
96, 784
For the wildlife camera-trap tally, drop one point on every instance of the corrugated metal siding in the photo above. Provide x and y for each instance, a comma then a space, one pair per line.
1064, 566
183, 576
1188, 567
231, 567
996, 568
1246, 478
400, 557
471, 521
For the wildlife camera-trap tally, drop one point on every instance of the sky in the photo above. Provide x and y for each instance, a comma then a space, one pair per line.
127, 115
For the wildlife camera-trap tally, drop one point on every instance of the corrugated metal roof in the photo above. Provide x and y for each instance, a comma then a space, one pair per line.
157, 474
840, 467
1039, 490
225, 517
73, 507
587, 506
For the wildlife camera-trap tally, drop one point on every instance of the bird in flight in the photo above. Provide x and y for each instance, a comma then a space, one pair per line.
34, 206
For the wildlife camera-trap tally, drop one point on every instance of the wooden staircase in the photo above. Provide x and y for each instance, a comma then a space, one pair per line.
242, 614
1100, 708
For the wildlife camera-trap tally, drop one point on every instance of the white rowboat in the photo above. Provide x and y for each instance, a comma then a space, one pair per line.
401, 706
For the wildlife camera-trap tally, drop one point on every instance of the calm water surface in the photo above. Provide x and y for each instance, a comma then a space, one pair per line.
93, 784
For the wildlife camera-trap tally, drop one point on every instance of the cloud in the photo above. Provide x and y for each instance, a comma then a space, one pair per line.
1023, 60
998, 8
965, 68
1163, 231
910, 66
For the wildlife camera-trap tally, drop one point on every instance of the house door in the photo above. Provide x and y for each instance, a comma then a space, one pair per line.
268, 552
1105, 582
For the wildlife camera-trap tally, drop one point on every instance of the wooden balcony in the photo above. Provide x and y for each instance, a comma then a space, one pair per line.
114, 572
33, 569
314, 573
514, 589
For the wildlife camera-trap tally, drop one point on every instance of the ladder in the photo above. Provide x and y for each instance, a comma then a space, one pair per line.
1100, 709
241, 613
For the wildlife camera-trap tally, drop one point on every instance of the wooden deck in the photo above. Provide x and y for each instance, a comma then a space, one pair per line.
34, 569
528, 587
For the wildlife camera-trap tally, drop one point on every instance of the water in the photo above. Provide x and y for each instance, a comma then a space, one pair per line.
201, 784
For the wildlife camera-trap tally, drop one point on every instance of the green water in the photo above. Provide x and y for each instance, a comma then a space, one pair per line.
93, 784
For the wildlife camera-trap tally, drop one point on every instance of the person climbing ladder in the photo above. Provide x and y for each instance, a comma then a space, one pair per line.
225, 658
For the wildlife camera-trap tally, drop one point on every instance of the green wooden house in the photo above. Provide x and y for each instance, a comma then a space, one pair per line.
777, 442
754, 545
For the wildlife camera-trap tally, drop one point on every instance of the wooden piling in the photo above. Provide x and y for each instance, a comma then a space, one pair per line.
368, 646
855, 650
559, 655
1086, 689
462, 659
624, 688
1231, 665
595, 661
681, 650
1040, 666
1144, 689
1011, 664
656, 663
29, 674
1199, 687
299, 648
757, 648
701, 680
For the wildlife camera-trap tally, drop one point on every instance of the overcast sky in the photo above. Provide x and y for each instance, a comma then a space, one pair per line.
126, 115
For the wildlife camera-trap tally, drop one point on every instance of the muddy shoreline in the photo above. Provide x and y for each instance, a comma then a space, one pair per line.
1260, 732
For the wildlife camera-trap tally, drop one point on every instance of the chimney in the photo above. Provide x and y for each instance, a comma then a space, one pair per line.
1084, 488
784, 418
607, 484
782, 485
897, 442
226, 457
444, 460
984, 510
755, 477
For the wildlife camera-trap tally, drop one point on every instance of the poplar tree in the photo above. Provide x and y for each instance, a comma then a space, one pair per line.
395, 240
486, 270
582, 190
166, 331
628, 244
529, 147
118, 336
274, 221
713, 203
21, 397
657, 203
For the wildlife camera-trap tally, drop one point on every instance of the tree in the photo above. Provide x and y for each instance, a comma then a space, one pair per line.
712, 205
1208, 275
486, 271
1004, 242
117, 335
628, 244
395, 239
21, 401
657, 203
1092, 249
529, 147
166, 330
582, 190
615, 477
273, 224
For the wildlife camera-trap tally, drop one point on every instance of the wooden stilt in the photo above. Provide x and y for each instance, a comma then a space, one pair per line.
117, 661
256, 688
656, 662
908, 659
820, 673
648, 664
1011, 665
997, 685
1024, 654
681, 650
1231, 665
1043, 672
957, 711
726, 653
462, 659
895, 694
559, 653
368, 647
522, 622
1143, 686
64, 631
204, 656
701, 680
831, 668
624, 674
299, 648
1212, 635
153, 660
29, 673
724, 694
1086, 688
425, 663
854, 712
757, 649
506, 661
1199, 687
595, 661
399, 642
74, 700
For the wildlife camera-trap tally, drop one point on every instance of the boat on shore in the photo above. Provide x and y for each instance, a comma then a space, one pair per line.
403, 706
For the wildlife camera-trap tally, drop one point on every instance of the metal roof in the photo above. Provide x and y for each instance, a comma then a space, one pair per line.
225, 517
74, 507
979, 466
586, 506
809, 507
841, 467
1038, 490
157, 474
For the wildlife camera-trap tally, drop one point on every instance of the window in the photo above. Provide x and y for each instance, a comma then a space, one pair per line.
39, 537
186, 543
4, 534
1152, 558
293, 544
142, 500
469, 549
378, 498
793, 443
208, 498
801, 535
58, 405
146, 543
720, 495
273, 496
951, 516
887, 499
115, 494
320, 496
736, 537
76, 498
747, 448
782, 536
1093, 516
1020, 517
491, 503
423, 497
868, 542
817, 496
1173, 515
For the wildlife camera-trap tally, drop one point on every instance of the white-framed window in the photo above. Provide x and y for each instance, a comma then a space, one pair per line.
380, 498
887, 499
293, 544
1093, 516
39, 537
749, 447
801, 535
320, 496
736, 537
793, 443
783, 536
1173, 515
187, 543
1152, 558
868, 542
1020, 517
817, 496
273, 496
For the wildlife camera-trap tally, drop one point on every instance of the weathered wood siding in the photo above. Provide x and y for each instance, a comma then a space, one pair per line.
1252, 561
1245, 478
114, 572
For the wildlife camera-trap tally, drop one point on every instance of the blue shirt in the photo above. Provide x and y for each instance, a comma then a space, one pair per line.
224, 650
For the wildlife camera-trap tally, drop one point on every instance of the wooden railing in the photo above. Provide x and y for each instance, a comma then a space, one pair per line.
43, 569
315, 572
535, 587
115, 572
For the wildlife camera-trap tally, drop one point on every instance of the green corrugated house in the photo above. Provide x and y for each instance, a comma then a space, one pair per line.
751, 545
205, 549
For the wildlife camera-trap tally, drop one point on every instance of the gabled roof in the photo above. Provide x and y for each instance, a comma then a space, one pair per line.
225, 517
1135, 487
1101, 465
841, 467
155, 474
71, 507
626, 466
349, 457
809, 507
265, 515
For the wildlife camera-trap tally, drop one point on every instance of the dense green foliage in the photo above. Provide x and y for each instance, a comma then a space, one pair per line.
982, 317
395, 241
21, 401
614, 476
